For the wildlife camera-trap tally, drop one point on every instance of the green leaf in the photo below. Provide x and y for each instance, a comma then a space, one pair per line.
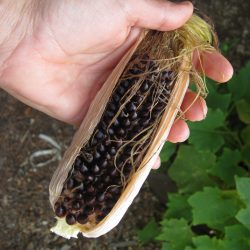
225, 48
166, 246
243, 109
236, 232
205, 134
189, 248
243, 217
245, 135
243, 187
245, 154
211, 208
206, 243
239, 85
216, 100
178, 207
227, 166
190, 169
237, 237
176, 233
149, 232
167, 151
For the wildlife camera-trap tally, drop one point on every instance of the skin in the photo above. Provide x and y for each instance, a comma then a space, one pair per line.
55, 55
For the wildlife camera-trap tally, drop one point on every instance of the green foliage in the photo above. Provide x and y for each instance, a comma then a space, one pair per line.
178, 207
149, 232
243, 188
236, 237
243, 109
243, 217
206, 134
211, 208
206, 243
176, 234
225, 47
167, 151
227, 167
190, 169
245, 135
216, 100
239, 85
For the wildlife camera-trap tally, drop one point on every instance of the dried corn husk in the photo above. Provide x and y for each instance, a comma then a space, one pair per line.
186, 43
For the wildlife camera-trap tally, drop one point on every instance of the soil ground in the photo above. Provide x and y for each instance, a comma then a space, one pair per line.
26, 216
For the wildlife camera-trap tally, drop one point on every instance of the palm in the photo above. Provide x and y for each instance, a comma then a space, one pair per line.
64, 63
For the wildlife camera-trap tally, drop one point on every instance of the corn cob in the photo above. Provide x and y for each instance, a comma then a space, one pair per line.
114, 152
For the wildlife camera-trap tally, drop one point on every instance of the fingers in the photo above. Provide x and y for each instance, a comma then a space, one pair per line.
194, 108
156, 14
214, 65
179, 132
157, 163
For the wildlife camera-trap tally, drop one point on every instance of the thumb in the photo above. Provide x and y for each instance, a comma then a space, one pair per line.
157, 14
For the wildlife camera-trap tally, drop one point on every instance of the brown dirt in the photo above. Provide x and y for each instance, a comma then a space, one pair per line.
26, 215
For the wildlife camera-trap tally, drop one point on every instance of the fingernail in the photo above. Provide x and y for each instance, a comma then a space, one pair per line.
185, 3
187, 134
157, 163
204, 108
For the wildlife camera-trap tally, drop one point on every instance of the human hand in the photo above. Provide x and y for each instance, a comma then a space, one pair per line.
57, 55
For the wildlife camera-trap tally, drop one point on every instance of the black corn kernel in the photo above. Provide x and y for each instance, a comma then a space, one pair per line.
137, 98
125, 84
121, 90
112, 107
111, 131
101, 197
77, 163
70, 183
90, 178
88, 210
100, 217
109, 114
131, 107
112, 151
120, 131
145, 87
99, 135
93, 142
133, 115
90, 200
100, 185
90, 189
76, 205
104, 164
116, 98
79, 196
60, 211
107, 156
113, 172
107, 179
95, 169
82, 218
116, 123
83, 168
101, 148
70, 219
126, 122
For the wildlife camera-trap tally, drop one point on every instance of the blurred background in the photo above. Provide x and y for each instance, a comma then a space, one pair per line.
33, 143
